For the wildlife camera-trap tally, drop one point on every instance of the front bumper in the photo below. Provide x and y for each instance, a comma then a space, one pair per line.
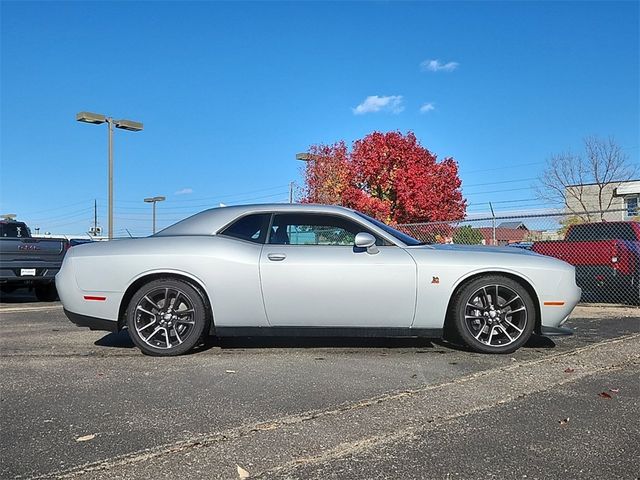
92, 323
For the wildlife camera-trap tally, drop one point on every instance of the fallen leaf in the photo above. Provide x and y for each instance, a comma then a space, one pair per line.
242, 473
86, 438
564, 421
614, 390
569, 370
604, 395
230, 371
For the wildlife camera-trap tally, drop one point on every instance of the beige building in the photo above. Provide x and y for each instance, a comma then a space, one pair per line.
619, 200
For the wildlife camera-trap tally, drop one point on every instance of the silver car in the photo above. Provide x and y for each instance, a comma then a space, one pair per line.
311, 270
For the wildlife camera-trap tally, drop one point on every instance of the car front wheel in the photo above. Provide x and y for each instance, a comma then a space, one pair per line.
494, 314
166, 317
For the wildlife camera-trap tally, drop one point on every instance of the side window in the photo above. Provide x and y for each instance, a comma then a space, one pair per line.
252, 228
314, 229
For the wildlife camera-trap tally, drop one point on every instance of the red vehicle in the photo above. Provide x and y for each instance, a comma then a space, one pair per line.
606, 256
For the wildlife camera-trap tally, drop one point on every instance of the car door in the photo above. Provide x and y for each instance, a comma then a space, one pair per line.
313, 276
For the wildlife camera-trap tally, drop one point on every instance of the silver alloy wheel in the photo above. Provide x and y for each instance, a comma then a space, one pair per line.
164, 317
496, 315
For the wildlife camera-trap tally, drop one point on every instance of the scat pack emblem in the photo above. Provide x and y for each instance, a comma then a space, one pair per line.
435, 280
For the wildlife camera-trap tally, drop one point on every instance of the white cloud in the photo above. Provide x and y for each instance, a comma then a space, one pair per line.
436, 66
375, 103
427, 107
184, 191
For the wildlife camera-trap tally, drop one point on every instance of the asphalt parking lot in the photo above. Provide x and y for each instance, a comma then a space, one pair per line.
83, 404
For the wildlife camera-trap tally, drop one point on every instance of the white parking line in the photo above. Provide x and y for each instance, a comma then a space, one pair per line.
29, 309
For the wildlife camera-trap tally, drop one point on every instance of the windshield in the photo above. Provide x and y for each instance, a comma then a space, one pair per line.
403, 237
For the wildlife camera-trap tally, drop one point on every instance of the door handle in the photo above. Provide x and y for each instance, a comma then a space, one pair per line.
276, 257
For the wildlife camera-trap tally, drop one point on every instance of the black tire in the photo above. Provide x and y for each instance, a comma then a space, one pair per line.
46, 293
477, 321
175, 334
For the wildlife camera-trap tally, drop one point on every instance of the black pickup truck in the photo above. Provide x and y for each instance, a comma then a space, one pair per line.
29, 262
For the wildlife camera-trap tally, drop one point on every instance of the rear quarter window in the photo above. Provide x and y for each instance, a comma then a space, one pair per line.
251, 228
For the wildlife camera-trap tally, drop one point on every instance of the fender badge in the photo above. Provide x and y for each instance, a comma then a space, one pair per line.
435, 280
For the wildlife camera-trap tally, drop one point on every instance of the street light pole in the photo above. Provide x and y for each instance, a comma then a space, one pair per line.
154, 200
97, 118
110, 174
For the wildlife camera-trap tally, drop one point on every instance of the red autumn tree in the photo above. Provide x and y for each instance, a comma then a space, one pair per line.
326, 174
389, 176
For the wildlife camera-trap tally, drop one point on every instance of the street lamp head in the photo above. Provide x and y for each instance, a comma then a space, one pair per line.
88, 117
155, 199
305, 157
128, 125
160, 199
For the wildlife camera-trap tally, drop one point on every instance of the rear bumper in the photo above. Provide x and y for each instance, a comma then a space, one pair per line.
12, 275
92, 323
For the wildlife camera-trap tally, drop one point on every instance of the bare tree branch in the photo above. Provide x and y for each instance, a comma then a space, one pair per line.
603, 167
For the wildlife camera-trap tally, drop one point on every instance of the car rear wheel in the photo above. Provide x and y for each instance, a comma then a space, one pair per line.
166, 317
46, 293
493, 314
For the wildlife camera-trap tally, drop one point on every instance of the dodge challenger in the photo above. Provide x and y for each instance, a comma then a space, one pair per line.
314, 270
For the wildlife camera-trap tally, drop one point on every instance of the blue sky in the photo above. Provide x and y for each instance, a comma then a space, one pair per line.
229, 92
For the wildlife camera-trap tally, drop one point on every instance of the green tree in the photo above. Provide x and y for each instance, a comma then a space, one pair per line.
468, 236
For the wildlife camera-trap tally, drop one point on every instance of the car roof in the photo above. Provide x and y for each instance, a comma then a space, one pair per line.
210, 221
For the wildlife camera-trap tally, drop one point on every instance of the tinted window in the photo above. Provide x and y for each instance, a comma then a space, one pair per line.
13, 229
310, 229
252, 228
601, 231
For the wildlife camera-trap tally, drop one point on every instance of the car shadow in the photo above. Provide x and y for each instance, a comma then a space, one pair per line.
119, 339
318, 342
19, 296
123, 340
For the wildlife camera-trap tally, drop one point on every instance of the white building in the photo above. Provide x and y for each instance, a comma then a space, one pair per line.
620, 200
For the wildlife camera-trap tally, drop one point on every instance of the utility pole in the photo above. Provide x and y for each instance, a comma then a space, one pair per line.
95, 216
493, 223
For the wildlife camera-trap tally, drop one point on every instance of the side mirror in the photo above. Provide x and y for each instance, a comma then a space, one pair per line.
368, 241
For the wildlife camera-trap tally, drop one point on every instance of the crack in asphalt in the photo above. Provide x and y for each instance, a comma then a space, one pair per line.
246, 432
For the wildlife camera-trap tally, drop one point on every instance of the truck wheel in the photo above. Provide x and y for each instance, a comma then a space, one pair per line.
493, 314
46, 293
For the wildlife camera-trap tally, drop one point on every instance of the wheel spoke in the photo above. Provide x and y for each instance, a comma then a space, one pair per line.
188, 322
491, 335
496, 300
513, 326
481, 331
166, 335
175, 330
176, 304
516, 310
145, 311
506, 333
153, 304
147, 325
487, 301
152, 334
510, 301
166, 298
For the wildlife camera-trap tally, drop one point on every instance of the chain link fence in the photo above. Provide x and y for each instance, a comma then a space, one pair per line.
606, 253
